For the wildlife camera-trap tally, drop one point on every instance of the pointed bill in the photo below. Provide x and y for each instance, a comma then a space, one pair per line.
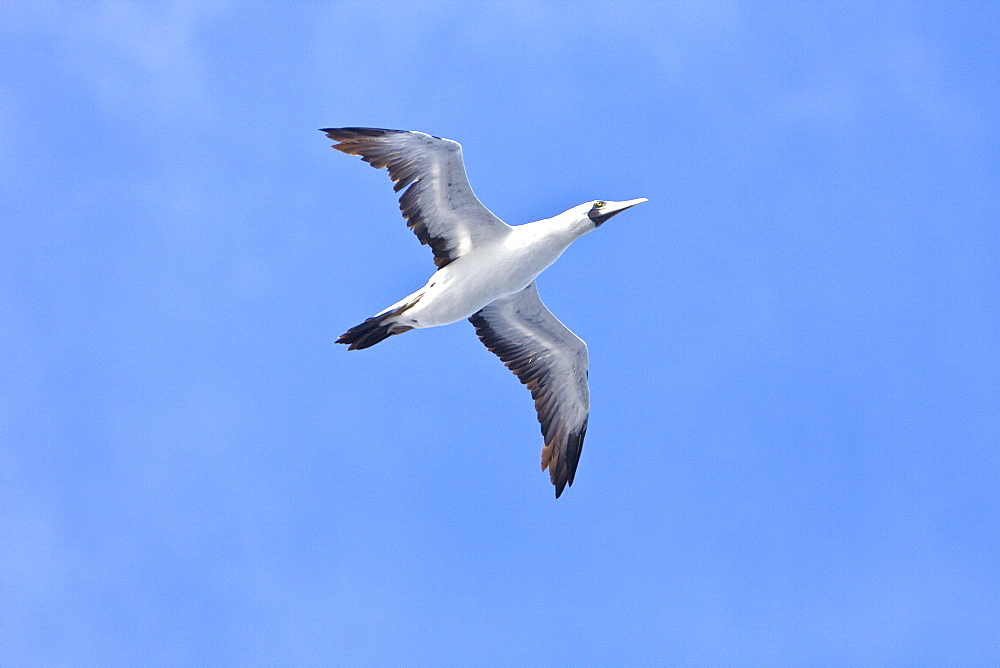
609, 209
617, 207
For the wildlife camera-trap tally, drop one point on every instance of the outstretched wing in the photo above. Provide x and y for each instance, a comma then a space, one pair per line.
552, 361
439, 204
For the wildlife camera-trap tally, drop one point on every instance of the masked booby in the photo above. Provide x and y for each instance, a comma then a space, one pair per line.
486, 273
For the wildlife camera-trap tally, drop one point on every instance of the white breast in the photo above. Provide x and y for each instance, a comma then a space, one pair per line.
478, 278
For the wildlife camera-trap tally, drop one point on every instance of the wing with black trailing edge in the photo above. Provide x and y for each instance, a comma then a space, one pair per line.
438, 203
552, 361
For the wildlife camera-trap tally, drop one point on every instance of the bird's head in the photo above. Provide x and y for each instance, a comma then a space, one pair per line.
599, 211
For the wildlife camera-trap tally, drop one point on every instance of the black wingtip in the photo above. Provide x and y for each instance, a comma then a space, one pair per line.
561, 485
565, 472
354, 133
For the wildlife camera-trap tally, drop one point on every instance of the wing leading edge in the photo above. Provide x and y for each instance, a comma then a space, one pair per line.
552, 361
438, 203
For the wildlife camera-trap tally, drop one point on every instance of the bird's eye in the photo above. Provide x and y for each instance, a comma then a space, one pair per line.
598, 204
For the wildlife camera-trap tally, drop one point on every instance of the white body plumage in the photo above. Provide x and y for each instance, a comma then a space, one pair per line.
498, 269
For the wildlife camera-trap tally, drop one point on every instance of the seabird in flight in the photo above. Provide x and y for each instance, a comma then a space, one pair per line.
486, 272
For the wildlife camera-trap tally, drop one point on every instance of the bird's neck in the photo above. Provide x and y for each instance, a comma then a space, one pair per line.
565, 228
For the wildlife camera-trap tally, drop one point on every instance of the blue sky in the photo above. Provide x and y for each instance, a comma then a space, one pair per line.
792, 456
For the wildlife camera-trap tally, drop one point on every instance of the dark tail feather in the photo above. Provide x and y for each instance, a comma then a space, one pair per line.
376, 329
